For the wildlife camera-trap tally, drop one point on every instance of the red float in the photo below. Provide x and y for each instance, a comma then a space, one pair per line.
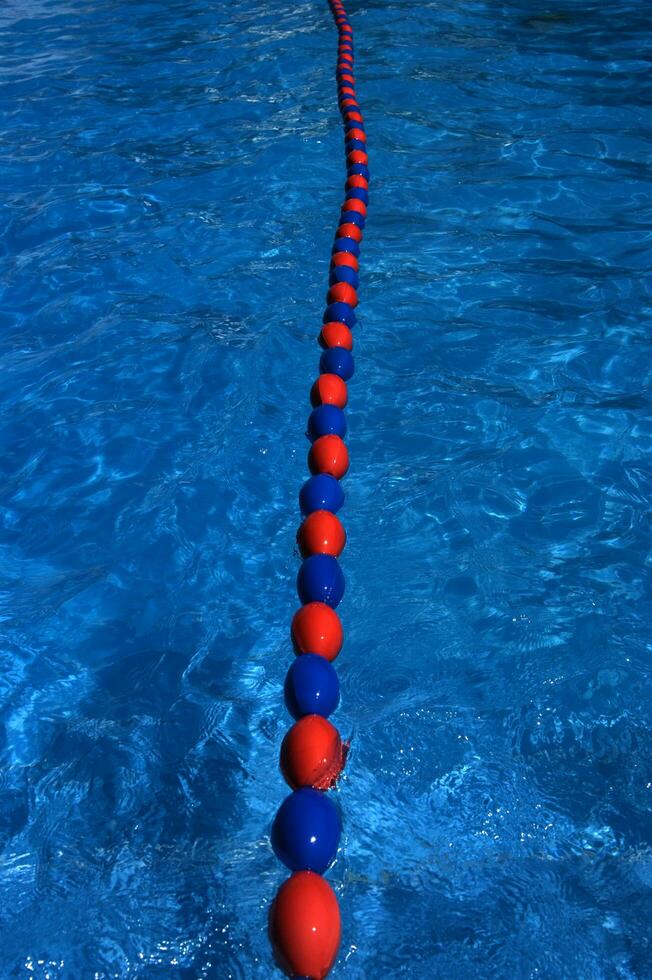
357, 134
304, 926
329, 389
312, 754
316, 628
328, 454
353, 204
343, 292
345, 258
336, 335
321, 533
357, 181
349, 231
357, 156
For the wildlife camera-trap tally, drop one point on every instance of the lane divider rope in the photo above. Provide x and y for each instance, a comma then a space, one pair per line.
304, 919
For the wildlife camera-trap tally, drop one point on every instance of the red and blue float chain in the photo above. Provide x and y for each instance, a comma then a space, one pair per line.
304, 917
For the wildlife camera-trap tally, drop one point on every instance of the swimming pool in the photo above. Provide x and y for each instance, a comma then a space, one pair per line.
175, 172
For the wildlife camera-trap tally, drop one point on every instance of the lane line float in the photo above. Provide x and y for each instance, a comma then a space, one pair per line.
304, 919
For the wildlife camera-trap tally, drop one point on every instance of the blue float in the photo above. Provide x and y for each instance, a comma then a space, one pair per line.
326, 420
337, 360
343, 273
311, 687
346, 245
320, 579
306, 831
321, 492
359, 193
341, 312
358, 170
352, 218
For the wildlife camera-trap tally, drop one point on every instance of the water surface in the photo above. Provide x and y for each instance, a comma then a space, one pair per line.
172, 177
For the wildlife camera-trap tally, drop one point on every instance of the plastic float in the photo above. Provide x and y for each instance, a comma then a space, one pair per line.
304, 919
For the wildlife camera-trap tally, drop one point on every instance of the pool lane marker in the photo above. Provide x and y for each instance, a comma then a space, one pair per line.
304, 919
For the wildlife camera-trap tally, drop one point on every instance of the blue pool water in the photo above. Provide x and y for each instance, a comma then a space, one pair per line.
172, 177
